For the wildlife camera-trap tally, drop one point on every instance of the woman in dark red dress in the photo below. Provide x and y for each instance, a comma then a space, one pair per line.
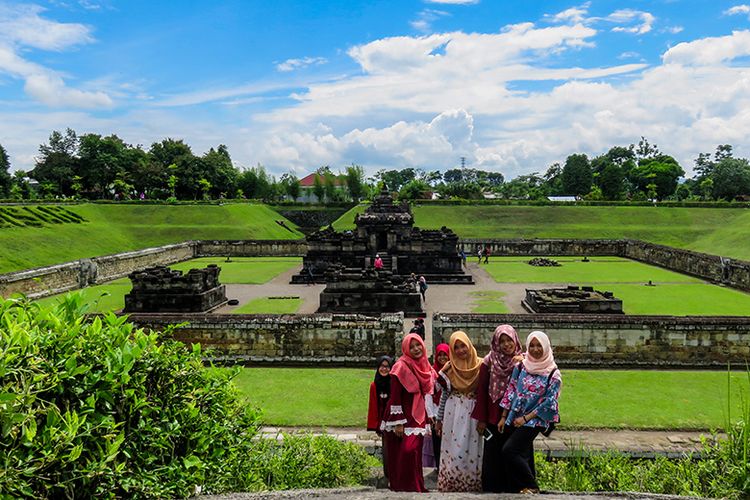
494, 374
380, 391
405, 418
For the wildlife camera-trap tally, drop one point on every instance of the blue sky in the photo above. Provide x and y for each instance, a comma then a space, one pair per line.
512, 86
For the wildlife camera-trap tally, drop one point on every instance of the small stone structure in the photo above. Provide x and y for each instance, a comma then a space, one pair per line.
368, 292
386, 229
571, 300
543, 262
160, 289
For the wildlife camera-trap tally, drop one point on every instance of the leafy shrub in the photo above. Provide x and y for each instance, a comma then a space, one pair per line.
91, 407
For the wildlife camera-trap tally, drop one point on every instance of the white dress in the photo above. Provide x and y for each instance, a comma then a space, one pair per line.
462, 446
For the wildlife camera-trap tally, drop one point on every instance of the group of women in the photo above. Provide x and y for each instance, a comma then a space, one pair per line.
478, 416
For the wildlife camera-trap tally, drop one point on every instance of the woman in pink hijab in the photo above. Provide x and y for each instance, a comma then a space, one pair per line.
405, 418
494, 375
529, 407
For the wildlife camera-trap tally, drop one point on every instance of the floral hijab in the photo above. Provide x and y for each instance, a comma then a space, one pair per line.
500, 364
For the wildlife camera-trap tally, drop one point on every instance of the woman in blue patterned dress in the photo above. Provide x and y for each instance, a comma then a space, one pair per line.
529, 407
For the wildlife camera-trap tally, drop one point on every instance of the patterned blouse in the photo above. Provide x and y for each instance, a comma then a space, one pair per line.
527, 392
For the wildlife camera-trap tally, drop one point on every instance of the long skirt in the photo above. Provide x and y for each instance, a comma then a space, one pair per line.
461, 447
428, 453
517, 456
405, 462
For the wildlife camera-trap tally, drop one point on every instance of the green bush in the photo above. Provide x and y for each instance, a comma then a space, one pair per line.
91, 407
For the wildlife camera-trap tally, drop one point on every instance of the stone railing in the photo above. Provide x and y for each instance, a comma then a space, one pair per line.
251, 248
299, 339
617, 341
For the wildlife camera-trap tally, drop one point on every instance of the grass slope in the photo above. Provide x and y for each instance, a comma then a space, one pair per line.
721, 231
118, 228
631, 399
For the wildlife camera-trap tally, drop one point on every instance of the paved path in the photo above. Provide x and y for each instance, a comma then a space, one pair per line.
560, 443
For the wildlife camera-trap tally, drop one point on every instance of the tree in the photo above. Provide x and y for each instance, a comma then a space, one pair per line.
355, 179
553, 179
329, 187
318, 189
657, 175
416, 189
645, 150
219, 172
5, 178
612, 182
576, 175
731, 178
394, 179
56, 164
291, 186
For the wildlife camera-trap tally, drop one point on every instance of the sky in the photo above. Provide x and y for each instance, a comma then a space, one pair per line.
511, 86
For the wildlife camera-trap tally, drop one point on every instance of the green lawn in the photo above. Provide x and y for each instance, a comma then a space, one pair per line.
266, 305
720, 231
112, 229
681, 300
574, 271
589, 398
242, 270
488, 302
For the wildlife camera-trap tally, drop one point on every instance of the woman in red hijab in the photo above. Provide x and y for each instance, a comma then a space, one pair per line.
405, 419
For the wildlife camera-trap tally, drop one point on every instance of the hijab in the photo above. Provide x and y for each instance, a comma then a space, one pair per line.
462, 373
415, 376
383, 384
445, 349
500, 364
544, 365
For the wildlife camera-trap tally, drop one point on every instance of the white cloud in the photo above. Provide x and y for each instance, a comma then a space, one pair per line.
425, 18
293, 64
674, 29
709, 51
624, 16
22, 28
574, 14
737, 9
22, 25
629, 55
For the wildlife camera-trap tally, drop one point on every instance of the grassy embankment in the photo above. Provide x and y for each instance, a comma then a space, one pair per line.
633, 399
110, 229
241, 270
720, 231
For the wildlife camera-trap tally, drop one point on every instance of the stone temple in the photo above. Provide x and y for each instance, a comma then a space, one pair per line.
386, 229
160, 289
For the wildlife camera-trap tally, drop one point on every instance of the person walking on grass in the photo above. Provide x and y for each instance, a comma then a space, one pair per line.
529, 407
487, 253
405, 419
380, 391
462, 446
494, 375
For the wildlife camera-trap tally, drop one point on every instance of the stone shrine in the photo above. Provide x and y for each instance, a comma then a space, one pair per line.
368, 292
160, 289
571, 300
386, 229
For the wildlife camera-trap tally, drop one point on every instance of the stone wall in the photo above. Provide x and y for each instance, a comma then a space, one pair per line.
251, 248
301, 339
617, 341
50, 280
542, 247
